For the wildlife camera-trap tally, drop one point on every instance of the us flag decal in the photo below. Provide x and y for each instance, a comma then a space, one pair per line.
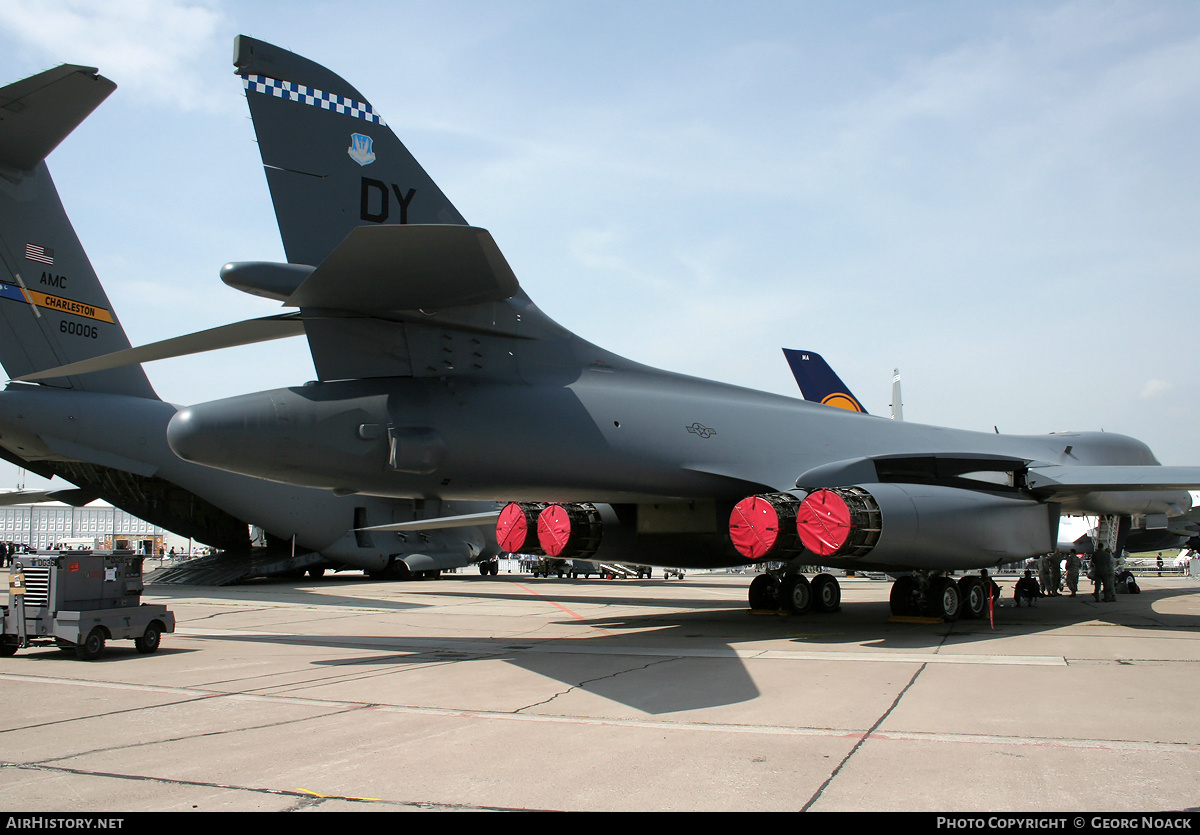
41, 254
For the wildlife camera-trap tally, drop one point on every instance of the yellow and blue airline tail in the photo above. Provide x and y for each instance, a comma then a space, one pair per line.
818, 382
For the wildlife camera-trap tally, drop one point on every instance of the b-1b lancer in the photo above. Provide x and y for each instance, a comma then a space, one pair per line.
440, 378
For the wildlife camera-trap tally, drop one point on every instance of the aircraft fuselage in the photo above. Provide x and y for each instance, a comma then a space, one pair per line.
608, 436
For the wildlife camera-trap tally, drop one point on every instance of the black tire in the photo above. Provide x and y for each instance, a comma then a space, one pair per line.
764, 593
316, 573
796, 594
974, 597
8, 649
943, 600
826, 593
91, 647
150, 640
903, 598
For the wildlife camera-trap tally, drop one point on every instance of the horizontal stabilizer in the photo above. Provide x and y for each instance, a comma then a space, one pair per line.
417, 267
466, 521
25, 497
39, 112
74, 496
248, 332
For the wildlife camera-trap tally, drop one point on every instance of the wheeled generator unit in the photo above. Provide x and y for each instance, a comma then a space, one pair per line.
79, 600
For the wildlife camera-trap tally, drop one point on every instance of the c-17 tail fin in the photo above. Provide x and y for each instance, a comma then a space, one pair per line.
818, 382
53, 310
324, 146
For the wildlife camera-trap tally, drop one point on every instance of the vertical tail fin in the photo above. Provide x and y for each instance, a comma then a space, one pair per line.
818, 382
331, 162
53, 310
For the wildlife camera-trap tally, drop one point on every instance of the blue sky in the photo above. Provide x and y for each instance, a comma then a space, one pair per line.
1001, 199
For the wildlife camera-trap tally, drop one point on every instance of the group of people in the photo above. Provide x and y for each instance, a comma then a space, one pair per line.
1102, 573
7, 551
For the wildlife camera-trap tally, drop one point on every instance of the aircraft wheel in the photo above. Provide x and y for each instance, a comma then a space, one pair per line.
827, 593
974, 597
92, 647
316, 573
943, 599
903, 599
8, 648
764, 592
796, 594
150, 640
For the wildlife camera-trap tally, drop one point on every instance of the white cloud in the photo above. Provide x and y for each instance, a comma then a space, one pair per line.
159, 48
1154, 389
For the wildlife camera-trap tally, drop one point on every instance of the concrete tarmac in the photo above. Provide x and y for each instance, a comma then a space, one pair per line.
470, 693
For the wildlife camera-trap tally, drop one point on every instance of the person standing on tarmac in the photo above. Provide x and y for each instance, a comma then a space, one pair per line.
1044, 574
1104, 567
1073, 572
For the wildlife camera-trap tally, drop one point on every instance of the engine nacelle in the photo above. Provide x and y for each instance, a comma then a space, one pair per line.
570, 531
899, 524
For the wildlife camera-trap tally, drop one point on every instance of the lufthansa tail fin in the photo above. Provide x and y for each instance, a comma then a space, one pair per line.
818, 382
332, 163
53, 310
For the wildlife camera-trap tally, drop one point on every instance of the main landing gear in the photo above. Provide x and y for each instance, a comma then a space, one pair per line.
795, 593
920, 593
936, 596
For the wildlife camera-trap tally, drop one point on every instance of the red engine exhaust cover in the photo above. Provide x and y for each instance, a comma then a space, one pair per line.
516, 529
823, 522
764, 526
569, 530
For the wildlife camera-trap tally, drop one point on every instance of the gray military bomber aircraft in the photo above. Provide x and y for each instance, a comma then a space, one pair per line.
106, 432
440, 379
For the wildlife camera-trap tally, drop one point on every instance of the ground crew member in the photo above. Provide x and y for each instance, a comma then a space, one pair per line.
1073, 572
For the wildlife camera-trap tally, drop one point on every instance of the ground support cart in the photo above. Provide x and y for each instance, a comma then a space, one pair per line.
79, 600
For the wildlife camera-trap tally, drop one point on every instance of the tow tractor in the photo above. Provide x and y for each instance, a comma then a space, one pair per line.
79, 600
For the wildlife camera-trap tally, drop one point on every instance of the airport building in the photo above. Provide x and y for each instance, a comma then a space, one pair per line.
98, 525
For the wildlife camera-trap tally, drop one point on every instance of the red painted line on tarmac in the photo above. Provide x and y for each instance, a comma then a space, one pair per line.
558, 605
